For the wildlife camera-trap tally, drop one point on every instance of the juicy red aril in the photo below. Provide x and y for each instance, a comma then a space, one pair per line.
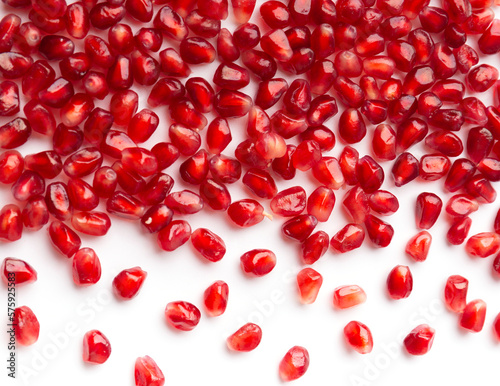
400, 282
289, 202
419, 340
246, 338
184, 202
369, 173
276, 44
348, 296
188, 141
433, 167
17, 271
459, 230
455, 293
461, 205
11, 166
359, 337
128, 282
86, 267
215, 298
64, 239
320, 203
182, 315
258, 262
81, 195
260, 183
125, 206
275, 14
383, 202
324, 137
352, 128
473, 316
483, 244
147, 372
418, 246
35, 213
28, 184
356, 204
405, 169
26, 326
300, 227
96, 347
309, 283
348, 238
91, 223
427, 210
57, 199
294, 364
157, 217
11, 224
40, 119
46, 163
174, 235
14, 133
208, 244
461, 170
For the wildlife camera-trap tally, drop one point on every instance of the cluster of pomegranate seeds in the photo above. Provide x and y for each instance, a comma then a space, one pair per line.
401, 88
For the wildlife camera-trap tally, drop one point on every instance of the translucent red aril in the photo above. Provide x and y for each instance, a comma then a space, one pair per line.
39, 76
182, 315
157, 217
11, 224
46, 163
14, 133
215, 298
105, 15
258, 262
76, 110
481, 189
96, 347
140, 161
27, 185
309, 283
300, 227
165, 91
294, 364
405, 169
489, 168
473, 316
466, 58
143, 125
174, 235
433, 19
288, 125
184, 112
400, 282
141, 10
369, 174
306, 155
148, 39
474, 111
56, 47
418, 246
260, 183
352, 128
459, 230
427, 210
195, 169
348, 64
166, 154
359, 337
9, 25
496, 328
184, 202
81, 195
483, 244
215, 195
14, 65
91, 223
186, 140
379, 232
128, 282
455, 293
479, 143
121, 38
11, 166
201, 94
26, 326
75, 66
145, 69
322, 76
489, 42
83, 162
64, 239
348, 296
314, 247
105, 181
208, 244
289, 202
226, 48
203, 26
245, 339
320, 203
461, 205
276, 44
419, 340
275, 14
123, 106
99, 51
28, 38
322, 135
269, 146
482, 77
246, 36
9, 98
35, 213
445, 142
17, 271
125, 206
418, 80
147, 372
348, 238
461, 170
86, 267
172, 64
434, 167
196, 50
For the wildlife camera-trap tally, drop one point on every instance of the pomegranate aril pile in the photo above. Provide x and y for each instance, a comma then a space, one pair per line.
402, 88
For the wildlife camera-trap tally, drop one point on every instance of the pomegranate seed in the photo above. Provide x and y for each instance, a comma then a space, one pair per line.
459, 230
300, 227
196, 50
174, 235
81, 195
379, 232
157, 217
35, 213
323, 136
215, 298
47, 163
182, 315
172, 64
455, 293
26, 326
433, 167
23, 272
208, 244
39, 77
64, 239
419, 340
461, 205
226, 47
259, 63
348, 296
400, 282
322, 76
275, 14
320, 203
28, 37
289, 202
184, 112
276, 44
483, 244
356, 204
489, 42
9, 98
75, 66
461, 170
359, 337
418, 246
348, 64
86, 267
383, 202
76, 110
260, 183
125, 206
11, 166
245, 339
246, 36
14, 65
201, 94
91, 223
405, 169
96, 347
184, 202
105, 15
294, 364
473, 316
128, 282
28, 184
348, 238
306, 155
14, 133
418, 80
283, 166
427, 210
287, 125
258, 262
314, 247
369, 174
309, 283
352, 128
147, 372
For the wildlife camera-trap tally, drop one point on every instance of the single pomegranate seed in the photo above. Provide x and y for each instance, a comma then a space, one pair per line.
210, 246
105, 181
58, 202
147, 372
433, 19
455, 293
482, 77
75, 66
215, 195
215, 298
184, 112
314, 247
289, 202
46, 163
260, 183
28, 37
35, 213
418, 246
99, 51
166, 154
96, 347
64, 239
258, 262
359, 337
184, 202
405, 169
356, 204
287, 125
172, 64
128, 282
322, 76
276, 44
473, 316
28, 184
483, 244
489, 168
459, 230
294, 364
419, 340
14, 133
461, 170
324, 137
352, 128
26, 326
195, 169
9, 94
57, 94
123, 106
348, 296
21, 271
489, 42
306, 155
379, 232
320, 203
369, 174
461, 205
83, 162
125, 206
11, 166
481, 189
348, 238
39, 77
201, 94
182, 315
91, 223
121, 37
246, 36
309, 283
383, 202
14, 65
196, 50
269, 146
275, 14
203, 26
427, 210
348, 162
174, 235
418, 80
400, 282
188, 141
428, 103
245, 339
259, 63
300, 227
226, 47
157, 217
82, 195
433, 167
105, 15
86, 267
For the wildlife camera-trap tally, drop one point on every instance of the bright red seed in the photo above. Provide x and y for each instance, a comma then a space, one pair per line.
473, 316
258, 262
427, 210
483, 244
348, 238
26, 326
86, 267
400, 282
182, 315
289, 202
147, 372
309, 283
418, 246
294, 364
21, 271
419, 340
215, 298
359, 337
455, 293
96, 347
245, 339
208, 244
174, 235
348, 296
128, 282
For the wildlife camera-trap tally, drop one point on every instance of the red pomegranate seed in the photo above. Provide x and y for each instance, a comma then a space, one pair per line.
320, 203
269, 146
309, 283
123, 106
258, 262
105, 181
356, 204
461, 170
86, 267
172, 64
166, 154
352, 128
99, 51
419, 340
483, 244
449, 90
369, 174
322, 135
300, 227
58, 202
81, 195
276, 44
201, 94
46, 163
188, 141
147, 372
9, 102
64, 239
128, 282
359, 337
489, 42
14, 133
418, 246
14, 65
405, 169
461, 205
208, 244
28, 38
184, 112
379, 232
245, 339
489, 168
473, 316
184, 202
96, 347
322, 76
215, 298
348, 238
196, 50
246, 36
289, 202
114, 142
157, 217
294, 364
383, 202
174, 235
91, 223
105, 15
348, 296
455, 293
125, 206
26, 326
21, 271
400, 282
121, 37
260, 64
459, 230
75, 66
260, 183
275, 14
182, 315
433, 167
287, 125
40, 119
141, 10
28, 184
306, 155
195, 169
226, 47
429, 103
35, 213
11, 166
11, 224
314, 247
283, 166
427, 210
481, 189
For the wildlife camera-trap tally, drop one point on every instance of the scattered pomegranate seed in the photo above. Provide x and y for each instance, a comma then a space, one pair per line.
26, 326
182, 315
309, 283
258, 262
96, 347
128, 282
400, 282
455, 293
473, 316
348, 296
22, 271
418, 246
419, 340
359, 337
294, 364
86, 267
147, 372
215, 298
246, 338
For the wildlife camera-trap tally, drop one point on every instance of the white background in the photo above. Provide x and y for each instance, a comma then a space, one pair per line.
200, 357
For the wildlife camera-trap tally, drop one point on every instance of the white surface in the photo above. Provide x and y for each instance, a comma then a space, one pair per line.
200, 357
